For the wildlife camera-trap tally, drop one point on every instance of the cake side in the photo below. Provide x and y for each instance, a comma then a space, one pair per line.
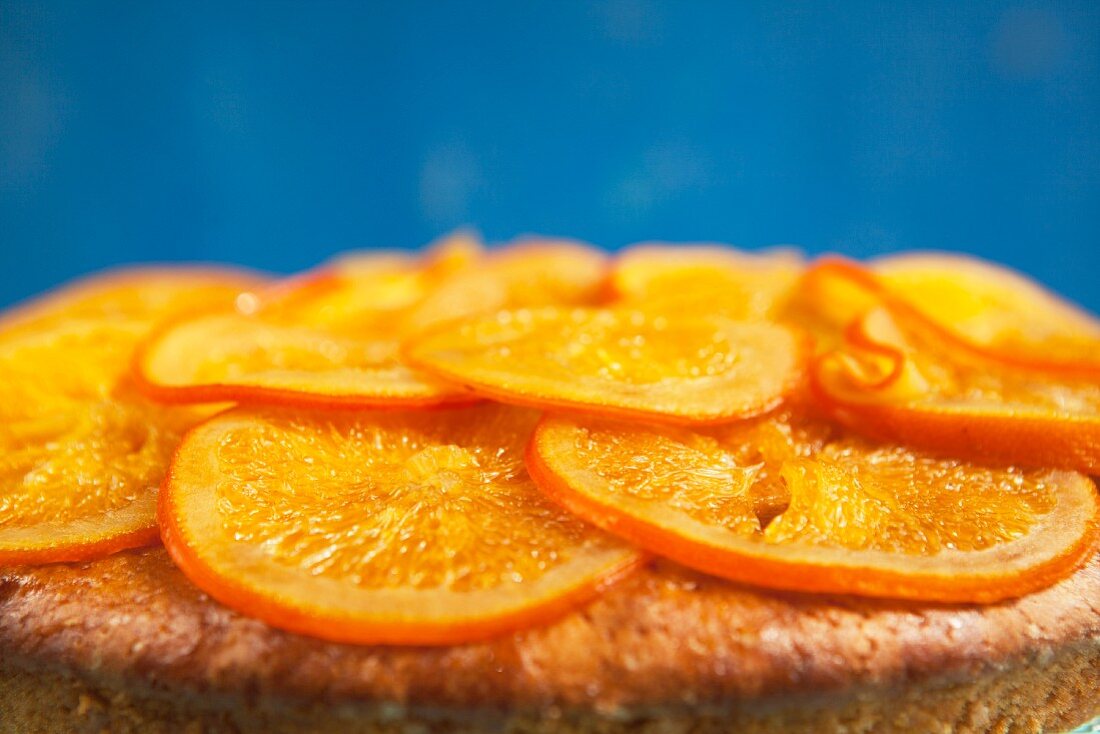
1051, 695
667, 642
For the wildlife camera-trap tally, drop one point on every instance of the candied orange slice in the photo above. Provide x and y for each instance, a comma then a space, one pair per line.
682, 369
452, 252
528, 273
388, 528
663, 277
81, 454
229, 357
355, 300
325, 339
896, 380
860, 519
137, 294
367, 292
456, 251
995, 311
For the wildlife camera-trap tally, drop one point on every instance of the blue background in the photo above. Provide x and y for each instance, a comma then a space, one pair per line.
274, 134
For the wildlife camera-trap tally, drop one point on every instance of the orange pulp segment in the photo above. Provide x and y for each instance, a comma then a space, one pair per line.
860, 519
380, 528
325, 339
995, 311
720, 279
82, 453
681, 369
895, 379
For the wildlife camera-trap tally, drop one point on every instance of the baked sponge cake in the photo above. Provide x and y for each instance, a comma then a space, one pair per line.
535, 489
127, 644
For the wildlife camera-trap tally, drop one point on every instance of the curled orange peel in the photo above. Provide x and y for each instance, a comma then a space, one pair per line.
955, 402
891, 282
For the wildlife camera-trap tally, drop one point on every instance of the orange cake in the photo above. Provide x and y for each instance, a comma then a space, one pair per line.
540, 489
127, 644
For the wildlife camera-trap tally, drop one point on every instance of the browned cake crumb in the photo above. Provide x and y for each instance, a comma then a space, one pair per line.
126, 644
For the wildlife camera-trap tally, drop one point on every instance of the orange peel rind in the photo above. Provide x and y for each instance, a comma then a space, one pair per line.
956, 403
995, 311
972, 307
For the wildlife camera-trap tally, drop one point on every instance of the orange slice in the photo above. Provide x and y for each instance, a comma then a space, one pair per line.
529, 273
861, 519
995, 311
388, 528
718, 279
681, 369
81, 455
451, 253
896, 379
325, 339
356, 300
137, 294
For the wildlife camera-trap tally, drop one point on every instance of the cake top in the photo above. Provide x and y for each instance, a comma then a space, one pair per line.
460, 445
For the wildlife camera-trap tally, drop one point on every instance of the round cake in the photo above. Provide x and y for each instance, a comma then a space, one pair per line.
127, 644
535, 490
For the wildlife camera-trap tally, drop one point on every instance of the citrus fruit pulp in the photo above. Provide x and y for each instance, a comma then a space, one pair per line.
682, 369
328, 338
860, 519
394, 527
995, 311
896, 380
720, 279
82, 453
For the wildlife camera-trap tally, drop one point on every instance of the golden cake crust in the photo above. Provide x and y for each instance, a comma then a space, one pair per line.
665, 643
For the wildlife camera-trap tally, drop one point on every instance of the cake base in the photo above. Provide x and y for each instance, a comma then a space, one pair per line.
126, 644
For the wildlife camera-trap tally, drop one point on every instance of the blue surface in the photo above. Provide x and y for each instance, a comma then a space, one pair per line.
273, 134
1091, 728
